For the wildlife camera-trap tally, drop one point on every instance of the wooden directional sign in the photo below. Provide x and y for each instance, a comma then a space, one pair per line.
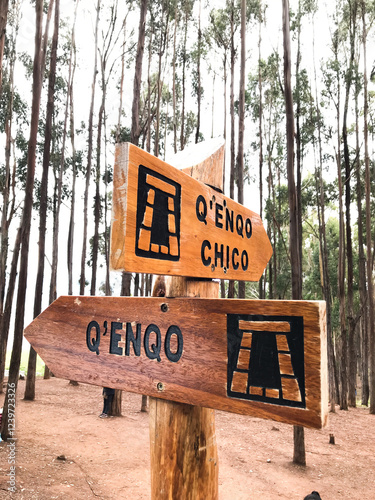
261, 358
165, 222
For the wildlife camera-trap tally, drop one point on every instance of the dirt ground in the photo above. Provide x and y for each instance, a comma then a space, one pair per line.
64, 451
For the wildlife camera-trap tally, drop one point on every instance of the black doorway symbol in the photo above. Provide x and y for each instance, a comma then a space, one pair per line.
266, 359
158, 216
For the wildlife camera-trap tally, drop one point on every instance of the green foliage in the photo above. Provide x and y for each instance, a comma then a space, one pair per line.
8, 98
124, 134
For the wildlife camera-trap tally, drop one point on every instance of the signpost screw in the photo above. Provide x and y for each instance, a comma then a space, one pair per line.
160, 386
164, 307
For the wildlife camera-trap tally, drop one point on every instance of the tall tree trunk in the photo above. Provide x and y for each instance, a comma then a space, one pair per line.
174, 97
361, 273
31, 369
299, 455
4, 5
118, 130
342, 348
70, 243
370, 286
82, 281
225, 77
241, 125
351, 356
199, 85
105, 50
364, 297
97, 199
184, 57
327, 290
260, 85
26, 224
299, 140
135, 129
232, 125
8, 206
7, 312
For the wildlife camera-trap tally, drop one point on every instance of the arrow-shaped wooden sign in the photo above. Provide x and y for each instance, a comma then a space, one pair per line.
261, 358
166, 222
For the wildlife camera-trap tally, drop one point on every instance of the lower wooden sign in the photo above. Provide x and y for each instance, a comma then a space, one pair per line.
254, 357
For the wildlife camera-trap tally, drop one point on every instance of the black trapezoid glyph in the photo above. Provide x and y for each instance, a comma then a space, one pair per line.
158, 216
266, 359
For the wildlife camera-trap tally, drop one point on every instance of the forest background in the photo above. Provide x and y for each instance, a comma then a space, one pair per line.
298, 120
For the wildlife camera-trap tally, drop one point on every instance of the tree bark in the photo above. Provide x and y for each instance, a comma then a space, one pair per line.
199, 85
299, 455
135, 129
70, 243
231, 289
241, 126
82, 281
115, 410
174, 97
370, 286
4, 5
352, 364
8, 206
182, 132
26, 222
31, 369
7, 312
260, 85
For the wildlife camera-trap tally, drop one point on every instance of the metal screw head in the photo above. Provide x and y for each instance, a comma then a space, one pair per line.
164, 307
160, 386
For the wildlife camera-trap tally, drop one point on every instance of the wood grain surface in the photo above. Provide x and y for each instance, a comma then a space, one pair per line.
178, 349
183, 449
166, 222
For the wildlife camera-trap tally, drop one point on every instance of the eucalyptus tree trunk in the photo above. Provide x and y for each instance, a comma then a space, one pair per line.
135, 128
118, 129
370, 286
147, 135
327, 289
163, 33
31, 369
70, 243
260, 129
241, 126
367, 329
82, 281
362, 326
298, 138
199, 85
8, 184
4, 5
184, 58
299, 455
135, 133
109, 41
7, 312
174, 97
26, 222
232, 124
351, 356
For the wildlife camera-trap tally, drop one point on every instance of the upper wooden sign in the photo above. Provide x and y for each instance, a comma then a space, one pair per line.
165, 222
262, 358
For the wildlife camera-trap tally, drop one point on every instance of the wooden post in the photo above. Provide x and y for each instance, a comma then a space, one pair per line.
184, 462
